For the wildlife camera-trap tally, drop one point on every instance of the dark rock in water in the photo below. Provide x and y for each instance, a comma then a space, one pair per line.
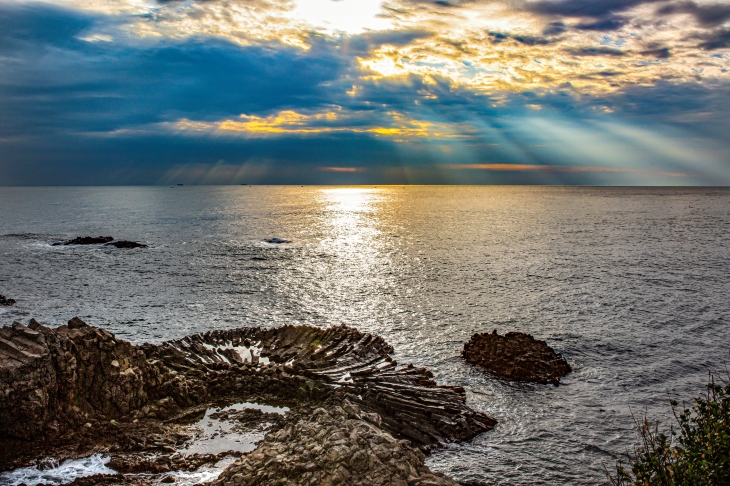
85, 240
356, 416
516, 356
6, 300
277, 241
126, 244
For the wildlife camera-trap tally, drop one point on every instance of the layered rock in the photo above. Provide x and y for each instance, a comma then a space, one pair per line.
516, 356
77, 389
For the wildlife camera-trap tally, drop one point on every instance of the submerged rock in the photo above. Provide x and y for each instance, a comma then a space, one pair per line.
356, 416
6, 300
85, 240
516, 356
276, 241
126, 244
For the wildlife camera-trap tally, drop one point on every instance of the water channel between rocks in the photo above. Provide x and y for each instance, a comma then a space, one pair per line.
220, 430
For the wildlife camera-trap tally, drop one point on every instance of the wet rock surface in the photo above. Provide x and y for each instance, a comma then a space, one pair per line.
85, 240
516, 356
78, 390
6, 300
126, 244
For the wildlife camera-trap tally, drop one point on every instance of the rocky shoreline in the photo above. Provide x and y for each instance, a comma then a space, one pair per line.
355, 416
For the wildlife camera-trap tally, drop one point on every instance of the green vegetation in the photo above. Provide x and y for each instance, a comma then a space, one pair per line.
695, 452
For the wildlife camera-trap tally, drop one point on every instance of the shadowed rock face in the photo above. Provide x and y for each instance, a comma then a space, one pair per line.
78, 388
516, 356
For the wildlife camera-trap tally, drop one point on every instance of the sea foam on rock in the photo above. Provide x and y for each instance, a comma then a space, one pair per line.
516, 356
355, 413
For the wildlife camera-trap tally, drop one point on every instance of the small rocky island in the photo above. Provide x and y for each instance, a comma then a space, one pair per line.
516, 356
354, 415
100, 240
7, 301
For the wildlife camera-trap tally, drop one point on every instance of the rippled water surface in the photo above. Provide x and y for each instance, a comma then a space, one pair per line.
631, 285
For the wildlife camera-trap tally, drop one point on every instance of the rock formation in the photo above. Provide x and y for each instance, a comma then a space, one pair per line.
85, 240
516, 356
99, 240
6, 300
355, 413
126, 244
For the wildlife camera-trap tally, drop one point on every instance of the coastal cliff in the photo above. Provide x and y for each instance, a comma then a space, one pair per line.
357, 417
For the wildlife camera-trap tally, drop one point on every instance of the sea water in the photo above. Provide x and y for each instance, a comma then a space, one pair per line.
629, 284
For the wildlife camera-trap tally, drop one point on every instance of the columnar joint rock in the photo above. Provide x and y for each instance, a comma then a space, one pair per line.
82, 388
516, 356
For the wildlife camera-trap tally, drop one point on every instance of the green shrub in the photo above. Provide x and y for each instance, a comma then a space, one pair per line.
695, 452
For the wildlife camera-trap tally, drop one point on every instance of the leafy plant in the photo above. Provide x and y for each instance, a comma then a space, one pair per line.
695, 452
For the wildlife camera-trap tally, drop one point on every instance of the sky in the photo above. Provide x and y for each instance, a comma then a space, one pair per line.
614, 92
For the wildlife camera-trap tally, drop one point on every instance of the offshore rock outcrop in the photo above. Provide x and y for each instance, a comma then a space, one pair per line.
77, 390
85, 240
516, 356
126, 244
7, 301
100, 240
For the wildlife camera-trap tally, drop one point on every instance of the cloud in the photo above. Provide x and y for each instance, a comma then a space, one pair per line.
604, 24
86, 96
708, 15
717, 39
583, 8
597, 51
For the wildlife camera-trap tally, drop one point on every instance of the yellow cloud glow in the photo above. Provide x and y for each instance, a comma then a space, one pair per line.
400, 129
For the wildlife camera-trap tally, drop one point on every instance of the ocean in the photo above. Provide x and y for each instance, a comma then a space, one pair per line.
630, 284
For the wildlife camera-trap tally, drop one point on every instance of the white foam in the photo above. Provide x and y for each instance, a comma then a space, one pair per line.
57, 474
203, 474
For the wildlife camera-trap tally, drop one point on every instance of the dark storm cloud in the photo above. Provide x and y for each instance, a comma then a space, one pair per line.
658, 53
717, 39
52, 80
604, 25
583, 8
707, 15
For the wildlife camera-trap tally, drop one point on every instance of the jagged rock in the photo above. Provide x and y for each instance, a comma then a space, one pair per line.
329, 445
126, 244
85, 240
78, 390
516, 356
6, 300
